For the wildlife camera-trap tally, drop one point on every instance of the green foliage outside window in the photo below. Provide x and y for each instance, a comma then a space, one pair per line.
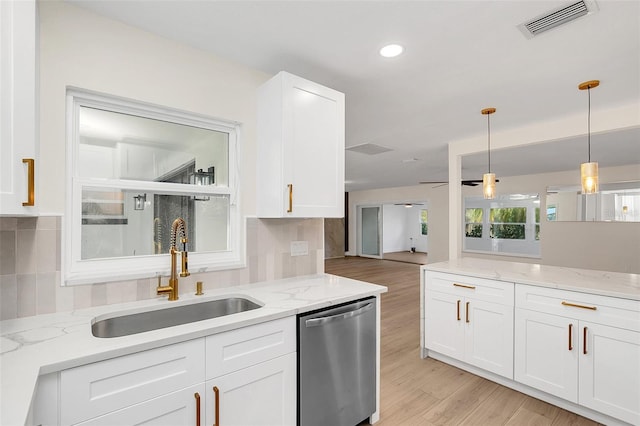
423, 222
537, 223
473, 218
508, 222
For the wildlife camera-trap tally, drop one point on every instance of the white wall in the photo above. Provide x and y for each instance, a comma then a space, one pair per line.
436, 199
394, 228
81, 49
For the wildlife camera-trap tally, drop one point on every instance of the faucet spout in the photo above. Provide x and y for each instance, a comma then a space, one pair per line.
178, 230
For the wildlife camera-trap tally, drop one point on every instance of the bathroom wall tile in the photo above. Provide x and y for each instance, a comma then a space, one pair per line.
46, 250
26, 295
7, 252
27, 222
8, 297
26, 255
46, 292
8, 223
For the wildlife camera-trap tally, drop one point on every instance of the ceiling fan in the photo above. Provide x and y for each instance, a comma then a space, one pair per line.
466, 182
408, 204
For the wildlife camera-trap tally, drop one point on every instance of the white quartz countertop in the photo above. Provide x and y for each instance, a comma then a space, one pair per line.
44, 344
603, 283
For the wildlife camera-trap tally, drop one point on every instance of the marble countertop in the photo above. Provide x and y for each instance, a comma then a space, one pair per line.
43, 344
603, 283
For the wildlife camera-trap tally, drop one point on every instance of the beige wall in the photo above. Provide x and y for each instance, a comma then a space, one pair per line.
436, 199
591, 245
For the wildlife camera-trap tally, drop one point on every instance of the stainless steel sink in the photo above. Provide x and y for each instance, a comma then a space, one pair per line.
161, 318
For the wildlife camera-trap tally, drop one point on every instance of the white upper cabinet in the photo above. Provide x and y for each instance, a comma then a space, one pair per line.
300, 137
18, 129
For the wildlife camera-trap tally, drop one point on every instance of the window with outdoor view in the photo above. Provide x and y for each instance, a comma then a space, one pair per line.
423, 222
508, 223
473, 223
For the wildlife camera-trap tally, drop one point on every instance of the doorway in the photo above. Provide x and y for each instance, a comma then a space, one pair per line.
370, 231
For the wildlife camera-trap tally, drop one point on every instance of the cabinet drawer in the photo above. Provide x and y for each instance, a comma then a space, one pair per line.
102, 387
611, 311
464, 286
233, 350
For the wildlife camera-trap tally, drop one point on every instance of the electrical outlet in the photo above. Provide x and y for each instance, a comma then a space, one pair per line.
299, 248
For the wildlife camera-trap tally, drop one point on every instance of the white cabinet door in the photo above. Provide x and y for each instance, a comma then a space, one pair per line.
261, 395
300, 149
489, 336
610, 371
546, 353
444, 324
18, 135
177, 408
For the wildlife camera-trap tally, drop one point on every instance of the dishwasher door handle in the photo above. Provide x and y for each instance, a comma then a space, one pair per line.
315, 322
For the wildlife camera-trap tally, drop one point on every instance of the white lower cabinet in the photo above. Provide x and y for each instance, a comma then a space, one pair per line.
253, 370
260, 395
461, 322
581, 348
177, 408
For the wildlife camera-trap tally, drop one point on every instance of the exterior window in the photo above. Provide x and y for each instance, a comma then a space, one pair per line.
423, 222
537, 223
508, 223
133, 169
473, 222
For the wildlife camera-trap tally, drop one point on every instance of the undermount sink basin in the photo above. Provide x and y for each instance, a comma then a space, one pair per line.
161, 318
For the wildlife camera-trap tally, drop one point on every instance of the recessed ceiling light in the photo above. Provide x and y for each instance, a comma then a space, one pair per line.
391, 50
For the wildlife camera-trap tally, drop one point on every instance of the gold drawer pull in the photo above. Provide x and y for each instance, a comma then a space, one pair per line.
464, 286
290, 209
467, 313
592, 308
197, 396
458, 306
216, 393
570, 337
31, 197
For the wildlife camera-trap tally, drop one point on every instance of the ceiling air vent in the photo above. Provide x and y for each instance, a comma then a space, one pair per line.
557, 17
368, 148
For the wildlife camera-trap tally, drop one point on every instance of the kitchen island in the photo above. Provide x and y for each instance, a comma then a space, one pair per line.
567, 336
37, 346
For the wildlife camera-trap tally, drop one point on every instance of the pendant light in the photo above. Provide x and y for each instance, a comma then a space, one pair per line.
489, 179
589, 170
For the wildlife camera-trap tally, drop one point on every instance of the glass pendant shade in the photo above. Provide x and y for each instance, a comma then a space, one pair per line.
489, 186
589, 177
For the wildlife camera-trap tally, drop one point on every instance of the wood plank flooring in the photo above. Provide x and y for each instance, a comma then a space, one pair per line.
428, 392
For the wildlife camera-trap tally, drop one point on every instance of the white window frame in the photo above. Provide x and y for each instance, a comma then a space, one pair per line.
78, 271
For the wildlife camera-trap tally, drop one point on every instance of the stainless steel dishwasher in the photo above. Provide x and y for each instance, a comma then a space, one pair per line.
337, 364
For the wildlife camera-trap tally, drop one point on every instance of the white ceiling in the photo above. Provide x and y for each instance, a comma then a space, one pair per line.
460, 57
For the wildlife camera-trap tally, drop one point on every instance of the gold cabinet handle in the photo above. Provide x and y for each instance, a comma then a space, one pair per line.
290, 209
458, 308
584, 340
464, 286
574, 305
570, 337
216, 397
31, 196
467, 312
197, 396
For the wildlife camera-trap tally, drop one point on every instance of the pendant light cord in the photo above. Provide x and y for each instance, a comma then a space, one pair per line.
489, 140
589, 124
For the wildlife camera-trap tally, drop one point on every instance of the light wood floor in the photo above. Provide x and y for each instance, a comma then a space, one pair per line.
428, 392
